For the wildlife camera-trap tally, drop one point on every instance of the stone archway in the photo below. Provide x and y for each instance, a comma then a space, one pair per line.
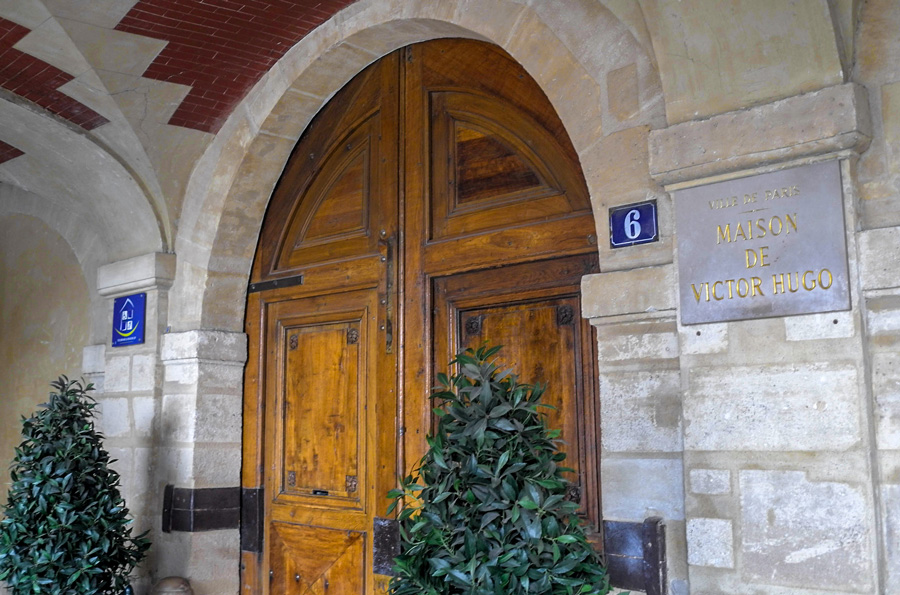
232, 183
574, 59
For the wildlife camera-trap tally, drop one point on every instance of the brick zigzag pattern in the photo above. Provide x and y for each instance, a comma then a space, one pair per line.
8, 152
37, 81
221, 48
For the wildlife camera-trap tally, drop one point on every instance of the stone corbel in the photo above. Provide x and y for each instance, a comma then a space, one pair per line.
141, 273
832, 123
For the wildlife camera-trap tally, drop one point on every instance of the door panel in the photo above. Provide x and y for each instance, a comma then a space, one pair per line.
487, 172
491, 180
322, 372
316, 561
339, 188
437, 187
321, 438
332, 222
532, 310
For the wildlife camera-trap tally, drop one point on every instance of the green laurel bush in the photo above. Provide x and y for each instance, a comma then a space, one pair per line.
485, 511
66, 529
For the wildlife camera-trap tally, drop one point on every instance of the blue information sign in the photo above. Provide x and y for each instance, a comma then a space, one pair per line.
128, 320
633, 224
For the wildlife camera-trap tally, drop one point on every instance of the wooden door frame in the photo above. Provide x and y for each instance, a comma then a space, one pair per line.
412, 408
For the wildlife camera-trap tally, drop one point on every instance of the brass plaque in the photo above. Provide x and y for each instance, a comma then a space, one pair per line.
766, 245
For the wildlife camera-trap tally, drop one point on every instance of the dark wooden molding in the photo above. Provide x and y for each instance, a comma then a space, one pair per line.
636, 554
200, 509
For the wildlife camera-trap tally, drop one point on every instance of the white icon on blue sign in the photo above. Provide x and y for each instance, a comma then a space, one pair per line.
128, 320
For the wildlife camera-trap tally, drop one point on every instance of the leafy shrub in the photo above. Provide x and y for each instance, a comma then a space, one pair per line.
485, 510
66, 529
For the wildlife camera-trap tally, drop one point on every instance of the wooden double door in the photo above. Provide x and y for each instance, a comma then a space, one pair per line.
435, 203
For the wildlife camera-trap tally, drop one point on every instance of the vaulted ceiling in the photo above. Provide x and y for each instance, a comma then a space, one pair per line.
108, 103
106, 106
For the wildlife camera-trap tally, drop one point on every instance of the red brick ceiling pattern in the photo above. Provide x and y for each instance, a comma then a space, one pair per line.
8, 152
221, 48
38, 81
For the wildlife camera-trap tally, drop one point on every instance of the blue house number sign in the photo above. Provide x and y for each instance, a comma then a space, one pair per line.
633, 224
128, 320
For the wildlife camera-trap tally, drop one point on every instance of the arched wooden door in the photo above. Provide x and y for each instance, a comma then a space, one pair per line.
435, 203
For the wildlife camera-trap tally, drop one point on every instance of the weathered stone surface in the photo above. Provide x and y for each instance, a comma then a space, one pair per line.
175, 464
93, 359
710, 542
832, 120
890, 120
291, 114
144, 413
879, 258
622, 85
143, 372
643, 341
118, 373
214, 574
803, 407
648, 289
883, 315
710, 481
217, 465
181, 376
636, 488
703, 339
797, 532
115, 417
616, 171
641, 411
206, 345
886, 387
703, 54
218, 418
616, 168
890, 500
827, 325
878, 46
178, 418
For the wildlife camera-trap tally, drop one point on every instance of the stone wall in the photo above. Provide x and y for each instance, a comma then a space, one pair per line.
44, 317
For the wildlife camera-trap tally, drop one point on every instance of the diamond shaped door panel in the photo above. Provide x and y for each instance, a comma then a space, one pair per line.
308, 560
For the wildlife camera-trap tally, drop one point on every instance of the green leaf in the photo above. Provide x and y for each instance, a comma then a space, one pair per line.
488, 514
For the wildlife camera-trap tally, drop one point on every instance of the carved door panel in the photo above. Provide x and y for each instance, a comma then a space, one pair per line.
321, 430
533, 311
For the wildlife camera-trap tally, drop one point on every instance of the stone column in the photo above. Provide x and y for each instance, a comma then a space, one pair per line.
200, 456
879, 252
130, 388
780, 474
641, 473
